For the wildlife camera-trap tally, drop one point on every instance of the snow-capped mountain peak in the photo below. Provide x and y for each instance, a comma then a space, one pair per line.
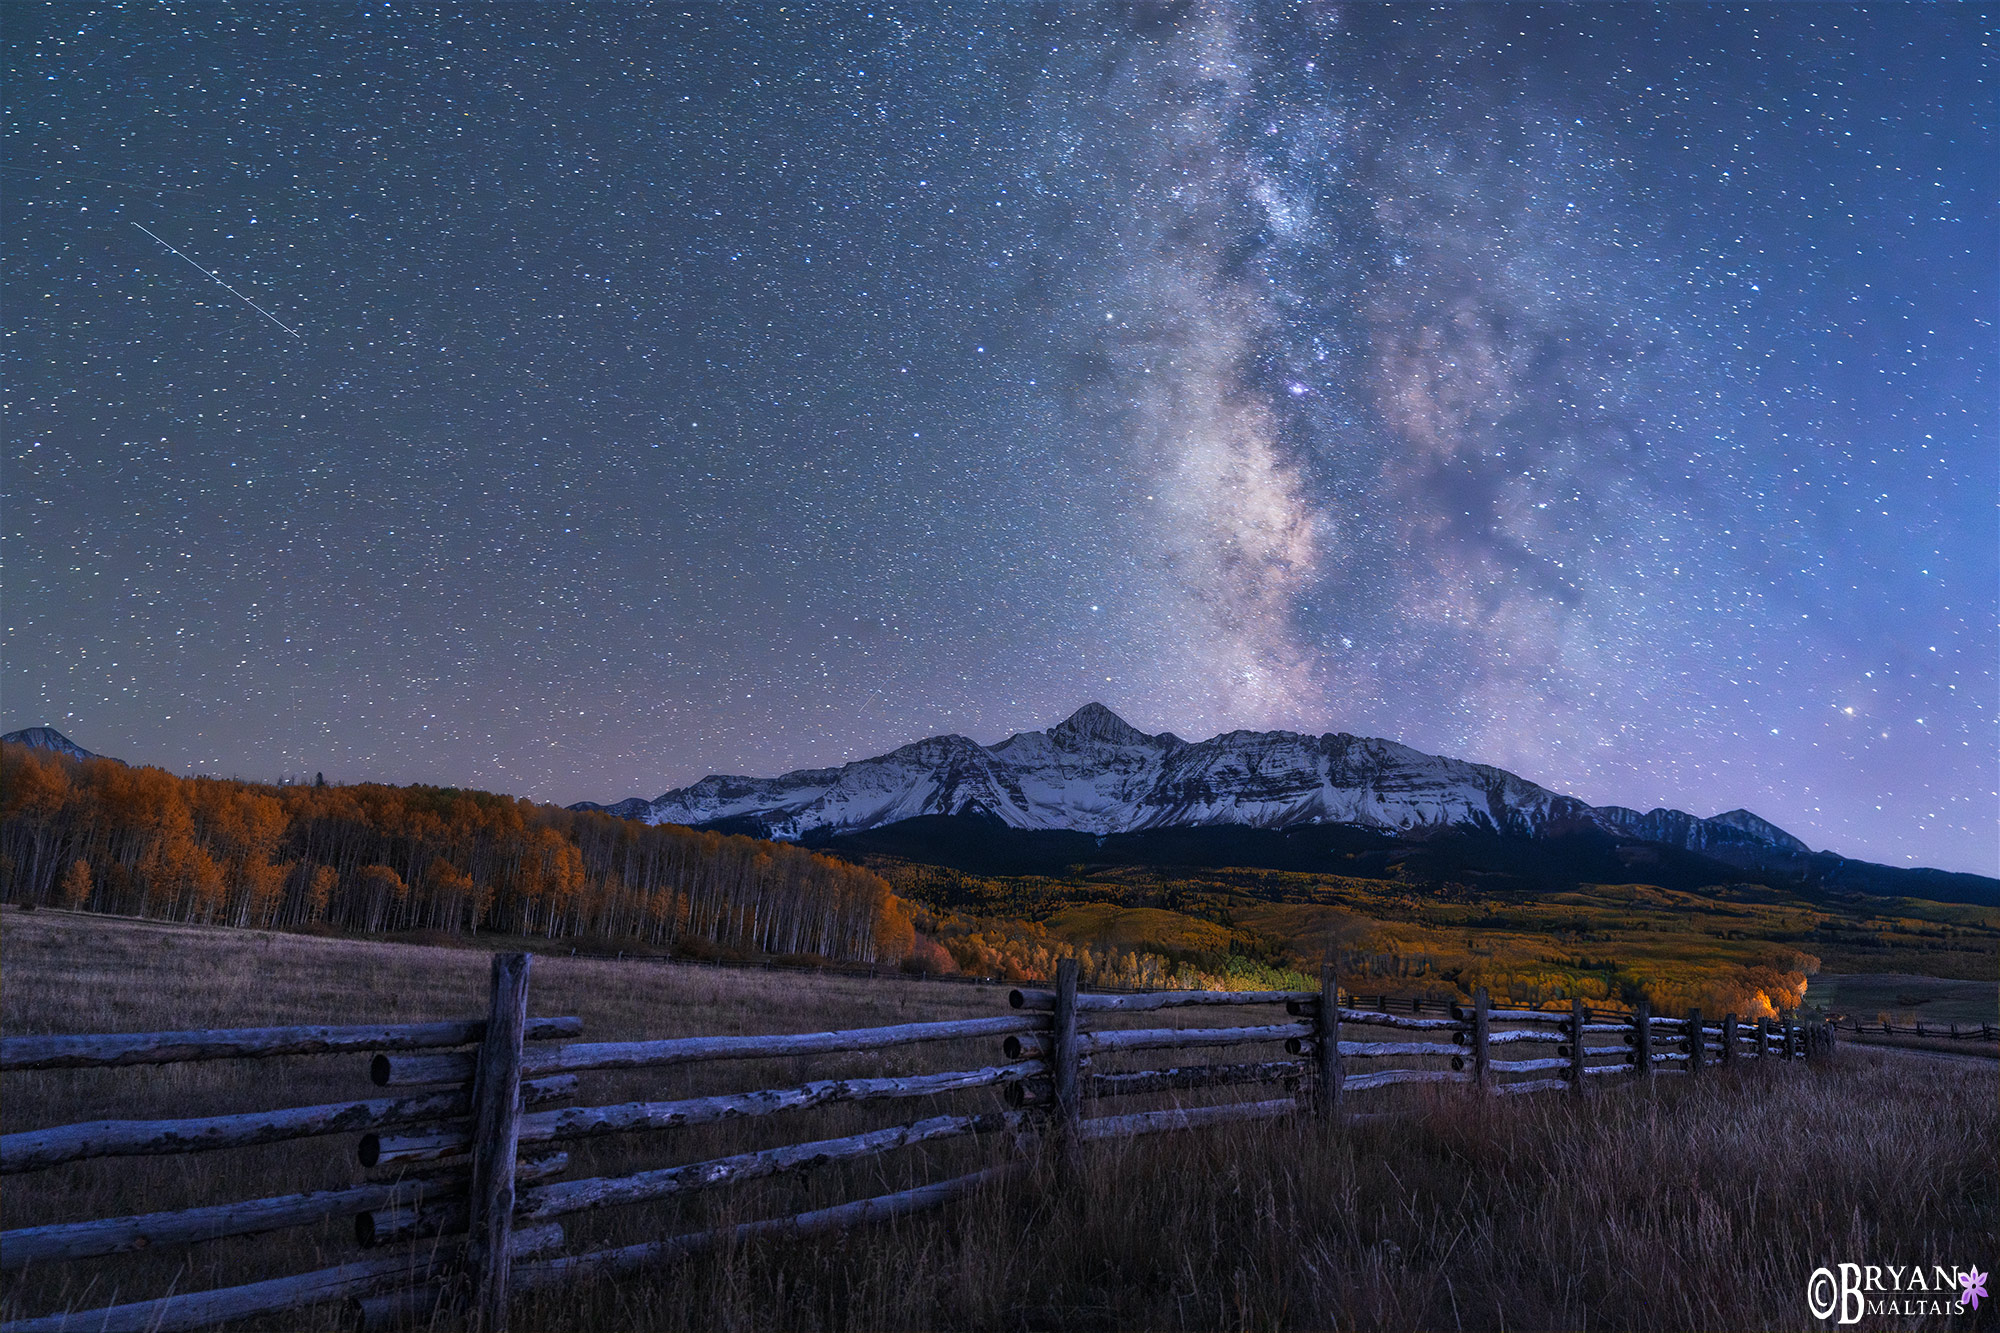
1095, 722
48, 738
1096, 773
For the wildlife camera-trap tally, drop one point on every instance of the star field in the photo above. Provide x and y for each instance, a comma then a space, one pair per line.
1602, 392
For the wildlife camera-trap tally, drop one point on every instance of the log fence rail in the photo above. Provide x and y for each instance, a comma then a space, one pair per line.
490, 1192
1947, 1031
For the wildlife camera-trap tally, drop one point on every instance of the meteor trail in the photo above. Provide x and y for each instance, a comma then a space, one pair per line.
226, 287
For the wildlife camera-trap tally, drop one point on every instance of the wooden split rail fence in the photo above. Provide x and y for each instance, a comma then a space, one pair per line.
1950, 1031
478, 1158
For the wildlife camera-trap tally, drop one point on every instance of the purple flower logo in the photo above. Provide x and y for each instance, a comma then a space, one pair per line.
1974, 1283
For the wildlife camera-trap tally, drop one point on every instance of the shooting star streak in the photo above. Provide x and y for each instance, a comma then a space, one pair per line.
226, 287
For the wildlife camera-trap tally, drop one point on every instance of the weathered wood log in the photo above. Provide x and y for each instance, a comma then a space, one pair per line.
1371, 1050
1551, 1017
411, 1221
1388, 1077
1065, 1055
1609, 1069
36, 1149
526, 1242
1763, 1038
840, 1217
579, 1057
1574, 1051
1525, 1066
447, 1217
1694, 1043
119, 1235
457, 1172
155, 1048
1037, 1091
1533, 1085
1482, 1041
1037, 1046
496, 1124
1366, 1018
1326, 1047
1642, 1028
575, 1122
1508, 1038
586, 1121
443, 1211
449, 1143
571, 1196
1166, 999
1155, 1122
454, 1138
1728, 1039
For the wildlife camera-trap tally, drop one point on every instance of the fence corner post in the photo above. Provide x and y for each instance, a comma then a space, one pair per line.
1642, 1038
1326, 1047
1068, 1109
1482, 1060
496, 1130
1578, 1016
1697, 1042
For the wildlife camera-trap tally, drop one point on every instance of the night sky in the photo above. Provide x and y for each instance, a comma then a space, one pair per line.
1603, 392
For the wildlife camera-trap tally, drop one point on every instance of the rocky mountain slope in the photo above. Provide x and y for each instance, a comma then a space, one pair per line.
48, 738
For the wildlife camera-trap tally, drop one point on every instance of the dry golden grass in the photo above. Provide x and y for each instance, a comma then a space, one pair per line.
1703, 1204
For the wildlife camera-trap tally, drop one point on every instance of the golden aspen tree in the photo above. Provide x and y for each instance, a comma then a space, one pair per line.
76, 886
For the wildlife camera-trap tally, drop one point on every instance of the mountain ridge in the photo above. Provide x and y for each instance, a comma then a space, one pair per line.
1096, 773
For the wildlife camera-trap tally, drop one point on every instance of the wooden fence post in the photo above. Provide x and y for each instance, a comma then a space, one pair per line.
1729, 1038
1068, 1108
1326, 1046
1763, 1039
495, 1133
1697, 1043
1642, 1035
1578, 1016
1482, 1059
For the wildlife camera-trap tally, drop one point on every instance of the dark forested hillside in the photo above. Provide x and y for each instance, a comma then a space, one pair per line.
97, 835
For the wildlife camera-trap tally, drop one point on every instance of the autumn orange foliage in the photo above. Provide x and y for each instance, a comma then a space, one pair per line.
98, 835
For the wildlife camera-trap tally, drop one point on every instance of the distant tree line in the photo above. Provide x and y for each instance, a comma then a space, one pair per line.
96, 835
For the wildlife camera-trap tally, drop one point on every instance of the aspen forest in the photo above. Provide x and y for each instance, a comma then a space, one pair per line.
97, 835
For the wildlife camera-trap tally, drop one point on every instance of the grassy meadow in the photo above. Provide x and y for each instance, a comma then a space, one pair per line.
1903, 997
1748, 947
1701, 1204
